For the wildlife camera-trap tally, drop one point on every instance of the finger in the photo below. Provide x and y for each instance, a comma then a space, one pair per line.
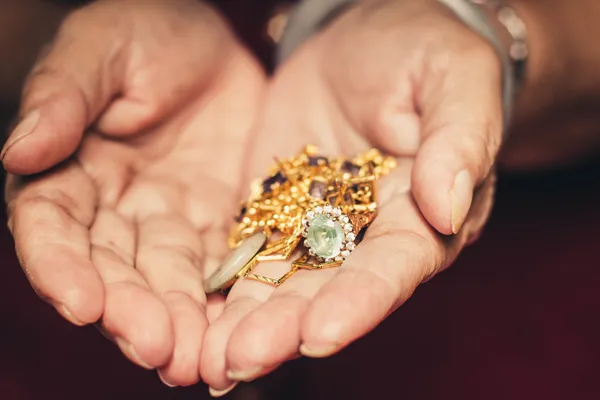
134, 316
270, 334
170, 258
49, 217
383, 271
245, 296
399, 252
462, 129
65, 92
145, 200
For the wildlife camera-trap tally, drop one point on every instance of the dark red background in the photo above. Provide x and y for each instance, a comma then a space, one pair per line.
517, 317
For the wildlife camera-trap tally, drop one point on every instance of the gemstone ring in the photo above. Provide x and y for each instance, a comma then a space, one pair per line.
328, 234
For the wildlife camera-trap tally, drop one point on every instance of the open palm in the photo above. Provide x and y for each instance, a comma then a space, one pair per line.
123, 230
317, 313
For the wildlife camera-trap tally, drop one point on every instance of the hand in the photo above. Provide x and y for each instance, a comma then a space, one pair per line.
404, 76
132, 213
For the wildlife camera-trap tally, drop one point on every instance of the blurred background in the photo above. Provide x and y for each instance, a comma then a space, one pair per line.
517, 316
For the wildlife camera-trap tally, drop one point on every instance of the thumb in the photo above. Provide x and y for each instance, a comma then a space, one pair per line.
449, 118
462, 132
64, 93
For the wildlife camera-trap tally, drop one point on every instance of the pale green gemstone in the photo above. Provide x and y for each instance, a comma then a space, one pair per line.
325, 237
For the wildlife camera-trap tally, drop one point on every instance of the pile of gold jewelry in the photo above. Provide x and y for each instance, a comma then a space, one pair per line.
327, 203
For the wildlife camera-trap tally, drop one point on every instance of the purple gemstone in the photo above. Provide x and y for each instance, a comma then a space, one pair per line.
272, 180
314, 161
350, 168
240, 216
317, 189
348, 198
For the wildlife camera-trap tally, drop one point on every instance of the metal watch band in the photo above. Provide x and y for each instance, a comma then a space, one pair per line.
476, 19
519, 49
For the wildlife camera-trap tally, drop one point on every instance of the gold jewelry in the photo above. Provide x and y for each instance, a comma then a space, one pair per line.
327, 203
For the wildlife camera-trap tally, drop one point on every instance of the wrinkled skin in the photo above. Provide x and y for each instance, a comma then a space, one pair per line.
359, 84
125, 231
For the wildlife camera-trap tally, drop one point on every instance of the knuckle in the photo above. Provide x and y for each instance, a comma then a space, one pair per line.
476, 145
430, 253
381, 289
293, 296
50, 205
185, 299
418, 249
113, 251
41, 208
47, 77
243, 304
184, 254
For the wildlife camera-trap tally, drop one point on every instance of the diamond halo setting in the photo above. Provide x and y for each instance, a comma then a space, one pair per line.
328, 233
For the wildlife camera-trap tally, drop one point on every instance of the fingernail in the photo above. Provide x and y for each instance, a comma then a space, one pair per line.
163, 380
219, 393
317, 352
23, 129
245, 376
461, 196
65, 312
130, 352
250, 374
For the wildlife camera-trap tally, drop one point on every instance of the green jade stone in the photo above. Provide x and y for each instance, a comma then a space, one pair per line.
324, 236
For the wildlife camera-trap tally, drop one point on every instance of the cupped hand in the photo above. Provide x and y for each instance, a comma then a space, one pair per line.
138, 115
410, 79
